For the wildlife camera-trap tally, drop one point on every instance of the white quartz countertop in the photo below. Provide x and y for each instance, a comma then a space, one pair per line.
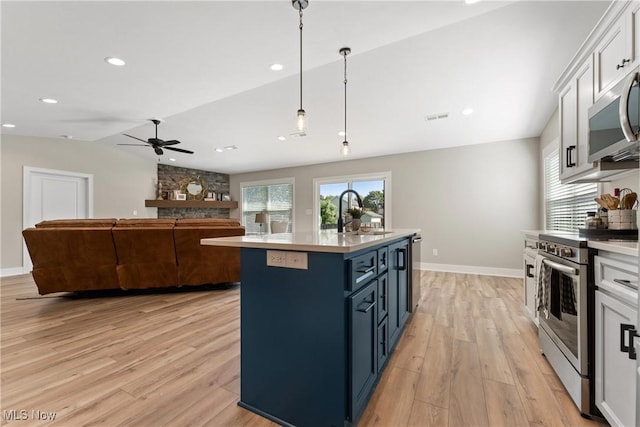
617, 246
323, 241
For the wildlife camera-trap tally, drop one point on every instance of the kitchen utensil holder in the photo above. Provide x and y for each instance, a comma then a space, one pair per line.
622, 219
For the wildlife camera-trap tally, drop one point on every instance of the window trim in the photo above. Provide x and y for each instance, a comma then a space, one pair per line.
386, 176
265, 182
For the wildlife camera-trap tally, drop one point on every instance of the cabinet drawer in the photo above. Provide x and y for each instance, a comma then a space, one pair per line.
617, 276
363, 268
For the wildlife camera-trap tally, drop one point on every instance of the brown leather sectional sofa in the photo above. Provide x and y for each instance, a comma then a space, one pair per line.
92, 254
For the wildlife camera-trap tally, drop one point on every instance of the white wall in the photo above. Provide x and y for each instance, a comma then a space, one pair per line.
470, 202
121, 182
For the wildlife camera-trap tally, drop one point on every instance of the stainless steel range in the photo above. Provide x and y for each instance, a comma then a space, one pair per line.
566, 312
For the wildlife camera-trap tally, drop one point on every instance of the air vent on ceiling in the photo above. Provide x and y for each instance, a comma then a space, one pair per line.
298, 134
433, 117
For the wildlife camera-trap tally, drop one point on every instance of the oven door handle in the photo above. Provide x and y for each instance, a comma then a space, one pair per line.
560, 267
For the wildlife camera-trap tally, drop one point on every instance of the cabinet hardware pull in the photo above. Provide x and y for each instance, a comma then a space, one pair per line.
624, 282
403, 265
630, 329
624, 61
529, 268
368, 269
369, 307
570, 163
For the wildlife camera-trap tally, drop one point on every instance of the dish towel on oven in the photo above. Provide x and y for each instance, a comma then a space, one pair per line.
544, 286
568, 297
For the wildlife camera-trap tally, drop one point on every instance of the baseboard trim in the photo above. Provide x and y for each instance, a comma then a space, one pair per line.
472, 269
14, 271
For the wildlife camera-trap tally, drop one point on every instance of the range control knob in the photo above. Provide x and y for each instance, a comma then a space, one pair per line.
566, 252
551, 249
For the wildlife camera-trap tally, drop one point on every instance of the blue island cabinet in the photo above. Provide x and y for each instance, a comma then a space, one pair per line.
314, 341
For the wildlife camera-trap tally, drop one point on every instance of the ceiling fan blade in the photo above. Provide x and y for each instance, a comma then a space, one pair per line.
180, 150
135, 137
158, 151
135, 145
170, 142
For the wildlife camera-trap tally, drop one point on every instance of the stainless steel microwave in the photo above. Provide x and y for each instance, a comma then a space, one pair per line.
614, 122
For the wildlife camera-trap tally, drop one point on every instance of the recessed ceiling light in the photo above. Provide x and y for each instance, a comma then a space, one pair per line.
281, 138
8, 125
276, 67
467, 111
341, 133
49, 100
219, 150
115, 61
471, 1
171, 159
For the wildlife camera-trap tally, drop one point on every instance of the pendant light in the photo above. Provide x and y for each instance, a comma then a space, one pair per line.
345, 144
301, 122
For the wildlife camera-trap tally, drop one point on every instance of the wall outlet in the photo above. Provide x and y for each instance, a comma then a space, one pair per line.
297, 260
435, 252
277, 258
286, 259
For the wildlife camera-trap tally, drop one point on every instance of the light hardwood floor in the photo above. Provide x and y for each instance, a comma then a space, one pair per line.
468, 357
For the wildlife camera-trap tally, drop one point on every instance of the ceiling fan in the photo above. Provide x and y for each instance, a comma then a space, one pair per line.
156, 143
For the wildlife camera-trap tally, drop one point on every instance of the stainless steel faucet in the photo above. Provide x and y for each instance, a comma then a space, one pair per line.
340, 221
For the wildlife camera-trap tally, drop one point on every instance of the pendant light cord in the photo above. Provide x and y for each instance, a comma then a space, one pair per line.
301, 57
345, 96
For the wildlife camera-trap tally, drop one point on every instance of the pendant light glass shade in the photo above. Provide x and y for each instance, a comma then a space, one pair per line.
301, 120
345, 148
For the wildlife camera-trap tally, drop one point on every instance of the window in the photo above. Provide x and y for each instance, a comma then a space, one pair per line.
374, 190
273, 198
566, 206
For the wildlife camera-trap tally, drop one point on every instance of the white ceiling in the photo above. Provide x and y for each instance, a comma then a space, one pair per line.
204, 68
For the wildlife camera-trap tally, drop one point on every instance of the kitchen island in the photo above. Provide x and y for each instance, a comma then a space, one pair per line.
320, 315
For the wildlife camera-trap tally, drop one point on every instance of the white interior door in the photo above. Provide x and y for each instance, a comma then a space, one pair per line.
54, 194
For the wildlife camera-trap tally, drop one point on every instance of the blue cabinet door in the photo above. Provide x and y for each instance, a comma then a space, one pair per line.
398, 289
364, 347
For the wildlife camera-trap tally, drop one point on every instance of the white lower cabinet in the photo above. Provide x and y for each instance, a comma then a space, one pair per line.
616, 312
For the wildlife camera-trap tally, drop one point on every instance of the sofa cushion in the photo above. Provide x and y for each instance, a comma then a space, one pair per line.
207, 222
72, 259
77, 223
146, 256
146, 222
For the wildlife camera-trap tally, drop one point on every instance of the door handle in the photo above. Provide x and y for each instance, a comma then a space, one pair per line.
569, 162
623, 110
529, 268
626, 329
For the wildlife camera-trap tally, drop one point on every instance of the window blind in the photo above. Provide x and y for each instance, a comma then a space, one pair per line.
566, 205
274, 199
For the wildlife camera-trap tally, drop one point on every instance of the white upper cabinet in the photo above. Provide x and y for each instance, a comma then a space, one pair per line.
613, 56
610, 52
574, 103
